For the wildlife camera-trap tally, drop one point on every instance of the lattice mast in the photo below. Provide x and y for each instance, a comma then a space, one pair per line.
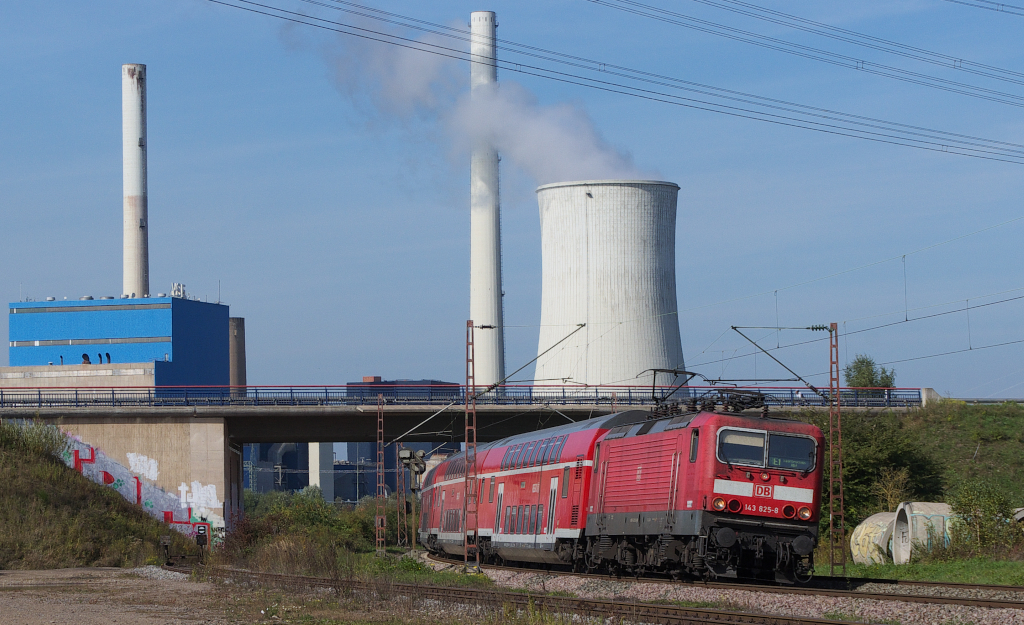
836, 518
380, 519
469, 484
403, 518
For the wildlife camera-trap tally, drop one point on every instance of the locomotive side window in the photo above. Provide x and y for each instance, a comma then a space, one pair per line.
565, 483
519, 453
791, 452
597, 458
497, 510
743, 447
535, 447
543, 451
551, 505
558, 454
549, 454
694, 444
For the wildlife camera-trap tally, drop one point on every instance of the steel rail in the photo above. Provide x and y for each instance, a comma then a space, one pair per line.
804, 590
629, 610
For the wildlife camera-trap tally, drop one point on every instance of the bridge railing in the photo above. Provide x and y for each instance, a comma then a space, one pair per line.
427, 395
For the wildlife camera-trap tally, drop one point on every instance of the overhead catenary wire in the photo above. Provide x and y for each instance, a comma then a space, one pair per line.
879, 327
847, 125
817, 54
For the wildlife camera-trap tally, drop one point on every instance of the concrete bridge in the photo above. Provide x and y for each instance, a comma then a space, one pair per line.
183, 445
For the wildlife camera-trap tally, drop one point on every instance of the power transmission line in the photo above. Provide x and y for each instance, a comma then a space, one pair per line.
991, 6
844, 124
856, 38
808, 52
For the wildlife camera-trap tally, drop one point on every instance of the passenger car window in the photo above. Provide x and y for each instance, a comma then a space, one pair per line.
741, 447
791, 452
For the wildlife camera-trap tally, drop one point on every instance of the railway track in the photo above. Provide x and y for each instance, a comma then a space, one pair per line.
835, 587
636, 612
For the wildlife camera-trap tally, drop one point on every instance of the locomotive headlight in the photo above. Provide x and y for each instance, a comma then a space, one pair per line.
718, 504
804, 513
765, 476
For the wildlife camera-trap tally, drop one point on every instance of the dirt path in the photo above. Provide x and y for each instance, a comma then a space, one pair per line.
101, 596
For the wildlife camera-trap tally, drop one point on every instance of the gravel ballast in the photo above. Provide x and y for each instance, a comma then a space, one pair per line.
811, 606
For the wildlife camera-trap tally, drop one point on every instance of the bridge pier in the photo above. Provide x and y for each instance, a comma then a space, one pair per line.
186, 469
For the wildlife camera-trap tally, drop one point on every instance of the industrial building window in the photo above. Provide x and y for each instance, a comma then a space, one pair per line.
565, 483
694, 442
490, 496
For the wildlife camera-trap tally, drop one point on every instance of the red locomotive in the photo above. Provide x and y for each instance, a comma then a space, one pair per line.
702, 493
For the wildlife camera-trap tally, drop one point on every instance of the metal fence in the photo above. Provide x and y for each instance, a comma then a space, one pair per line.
433, 395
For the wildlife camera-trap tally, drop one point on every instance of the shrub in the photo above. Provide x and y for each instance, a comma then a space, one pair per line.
984, 517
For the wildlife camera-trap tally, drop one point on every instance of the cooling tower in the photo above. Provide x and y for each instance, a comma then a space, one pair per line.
608, 253
485, 307
136, 209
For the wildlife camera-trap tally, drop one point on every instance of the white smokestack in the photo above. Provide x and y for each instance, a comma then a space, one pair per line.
485, 308
609, 261
136, 210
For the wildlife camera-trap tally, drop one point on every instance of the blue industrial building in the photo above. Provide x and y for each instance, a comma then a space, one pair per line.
187, 340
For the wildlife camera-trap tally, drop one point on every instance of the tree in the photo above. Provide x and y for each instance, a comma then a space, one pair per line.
864, 373
892, 487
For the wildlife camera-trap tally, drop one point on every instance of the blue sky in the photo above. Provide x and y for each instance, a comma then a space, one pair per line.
334, 214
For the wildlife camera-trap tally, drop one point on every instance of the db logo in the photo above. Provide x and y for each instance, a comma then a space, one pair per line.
762, 490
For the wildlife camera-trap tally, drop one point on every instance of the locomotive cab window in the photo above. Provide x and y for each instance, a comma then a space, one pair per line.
795, 453
743, 447
694, 444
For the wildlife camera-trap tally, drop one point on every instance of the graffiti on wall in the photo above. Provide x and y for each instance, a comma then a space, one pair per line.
185, 510
146, 467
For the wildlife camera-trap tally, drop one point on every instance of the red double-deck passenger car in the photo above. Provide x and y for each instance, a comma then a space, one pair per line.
704, 493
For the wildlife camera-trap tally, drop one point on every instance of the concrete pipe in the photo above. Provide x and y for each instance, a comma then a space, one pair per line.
921, 524
871, 540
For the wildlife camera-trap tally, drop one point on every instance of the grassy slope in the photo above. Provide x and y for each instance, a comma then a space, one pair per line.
960, 441
52, 517
953, 432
